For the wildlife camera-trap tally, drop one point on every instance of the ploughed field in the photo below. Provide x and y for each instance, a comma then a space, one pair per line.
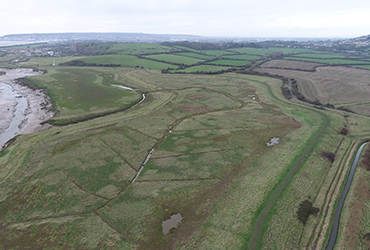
195, 147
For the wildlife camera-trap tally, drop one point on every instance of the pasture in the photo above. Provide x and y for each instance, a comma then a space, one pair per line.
328, 61
175, 59
229, 62
206, 139
126, 61
289, 64
335, 85
200, 68
196, 55
79, 92
197, 145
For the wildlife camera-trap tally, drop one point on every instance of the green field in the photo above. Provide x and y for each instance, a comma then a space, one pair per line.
126, 61
229, 62
267, 51
197, 145
137, 48
196, 55
327, 61
216, 52
175, 59
79, 92
204, 68
242, 57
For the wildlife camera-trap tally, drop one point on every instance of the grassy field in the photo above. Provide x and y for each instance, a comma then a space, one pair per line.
336, 85
326, 56
197, 145
137, 48
205, 68
196, 55
91, 164
126, 61
229, 62
327, 61
175, 58
289, 64
79, 92
268, 51
242, 57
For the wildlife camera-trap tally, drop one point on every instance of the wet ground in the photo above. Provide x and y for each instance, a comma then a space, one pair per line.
172, 222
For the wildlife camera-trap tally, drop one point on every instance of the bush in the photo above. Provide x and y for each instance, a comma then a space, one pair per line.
344, 131
365, 162
328, 155
305, 209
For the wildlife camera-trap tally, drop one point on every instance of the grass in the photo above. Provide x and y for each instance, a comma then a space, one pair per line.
268, 51
339, 80
322, 56
229, 62
77, 92
126, 61
93, 162
289, 64
200, 68
327, 61
137, 48
242, 57
175, 59
70, 187
196, 55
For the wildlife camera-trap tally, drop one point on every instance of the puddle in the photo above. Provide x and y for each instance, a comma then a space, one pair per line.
172, 222
273, 142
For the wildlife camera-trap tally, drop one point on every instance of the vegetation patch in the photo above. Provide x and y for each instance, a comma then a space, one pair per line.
330, 156
305, 209
365, 162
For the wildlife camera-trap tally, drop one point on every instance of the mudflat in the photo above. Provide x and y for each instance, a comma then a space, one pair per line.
35, 112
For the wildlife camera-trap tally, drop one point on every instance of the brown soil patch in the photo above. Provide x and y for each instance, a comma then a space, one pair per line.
195, 109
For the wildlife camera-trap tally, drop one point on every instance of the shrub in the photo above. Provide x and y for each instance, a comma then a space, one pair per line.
344, 131
305, 209
365, 162
328, 155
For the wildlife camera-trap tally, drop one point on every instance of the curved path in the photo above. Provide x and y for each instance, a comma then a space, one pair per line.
334, 230
280, 188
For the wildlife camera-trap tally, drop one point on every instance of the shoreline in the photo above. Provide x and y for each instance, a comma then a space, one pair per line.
33, 115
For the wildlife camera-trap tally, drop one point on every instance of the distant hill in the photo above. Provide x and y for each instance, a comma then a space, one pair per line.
112, 37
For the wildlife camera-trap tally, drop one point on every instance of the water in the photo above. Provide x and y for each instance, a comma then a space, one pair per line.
334, 231
122, 87
142, 167
273, 141
172, 222
20, 108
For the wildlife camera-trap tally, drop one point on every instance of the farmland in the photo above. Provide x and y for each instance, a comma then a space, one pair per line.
196, 145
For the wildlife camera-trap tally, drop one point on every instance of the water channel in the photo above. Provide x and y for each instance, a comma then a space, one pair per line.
334, 231
9, 94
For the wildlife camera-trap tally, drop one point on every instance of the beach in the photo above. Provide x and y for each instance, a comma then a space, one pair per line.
33, 112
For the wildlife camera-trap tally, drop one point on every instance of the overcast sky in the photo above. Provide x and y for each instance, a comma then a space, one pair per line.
233, 18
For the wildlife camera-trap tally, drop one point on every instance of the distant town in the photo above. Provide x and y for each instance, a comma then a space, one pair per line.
359, 45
